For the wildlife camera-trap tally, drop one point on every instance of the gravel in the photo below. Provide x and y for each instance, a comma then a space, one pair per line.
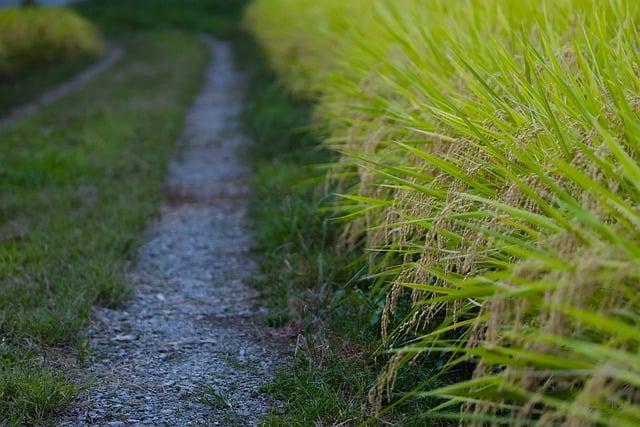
190, 349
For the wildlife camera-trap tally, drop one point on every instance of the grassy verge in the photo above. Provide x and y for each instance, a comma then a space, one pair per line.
77, 184
313, 290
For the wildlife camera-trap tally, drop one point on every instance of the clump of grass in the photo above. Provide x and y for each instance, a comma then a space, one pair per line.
209, 396
35, 37
329, 393
29, 391
488, 159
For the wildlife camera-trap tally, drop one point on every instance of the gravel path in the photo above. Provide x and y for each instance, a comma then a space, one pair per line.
20, 113
189, 350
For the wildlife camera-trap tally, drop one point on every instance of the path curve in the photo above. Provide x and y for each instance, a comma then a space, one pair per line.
188, 349
74, 83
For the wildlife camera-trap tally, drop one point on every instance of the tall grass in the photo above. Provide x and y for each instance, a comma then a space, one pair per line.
33, 37
489, 159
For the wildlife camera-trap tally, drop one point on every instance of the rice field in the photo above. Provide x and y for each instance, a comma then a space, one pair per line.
486, 153
34, 37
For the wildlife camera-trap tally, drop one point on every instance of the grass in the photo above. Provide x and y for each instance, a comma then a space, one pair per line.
27, 387
78, 183
308, 282
209, 396
486, 153
479, 263
330, 394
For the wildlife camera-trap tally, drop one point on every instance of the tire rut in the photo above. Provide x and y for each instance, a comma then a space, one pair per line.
74, 83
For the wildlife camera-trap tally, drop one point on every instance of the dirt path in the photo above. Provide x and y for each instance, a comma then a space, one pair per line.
20, 113
188, 350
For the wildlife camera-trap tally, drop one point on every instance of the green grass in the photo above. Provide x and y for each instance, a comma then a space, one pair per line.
308, 285
77, 184
329, 394
487, 157
209, 396
307, 282
29, 392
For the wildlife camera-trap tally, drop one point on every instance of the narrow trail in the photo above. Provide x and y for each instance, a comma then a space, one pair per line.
188, 350
74, 83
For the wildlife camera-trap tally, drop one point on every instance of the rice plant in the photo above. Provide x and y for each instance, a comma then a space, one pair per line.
488, 156
33, 37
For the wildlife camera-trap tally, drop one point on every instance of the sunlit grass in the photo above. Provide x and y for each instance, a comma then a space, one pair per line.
489, 160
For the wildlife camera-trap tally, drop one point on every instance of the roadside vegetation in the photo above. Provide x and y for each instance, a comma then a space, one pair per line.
317, 291
484, 157
299, 268
39, 47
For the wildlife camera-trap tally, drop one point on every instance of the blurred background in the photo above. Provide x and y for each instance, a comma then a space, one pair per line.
7, 3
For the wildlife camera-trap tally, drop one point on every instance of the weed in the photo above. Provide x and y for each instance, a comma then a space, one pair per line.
209, 396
